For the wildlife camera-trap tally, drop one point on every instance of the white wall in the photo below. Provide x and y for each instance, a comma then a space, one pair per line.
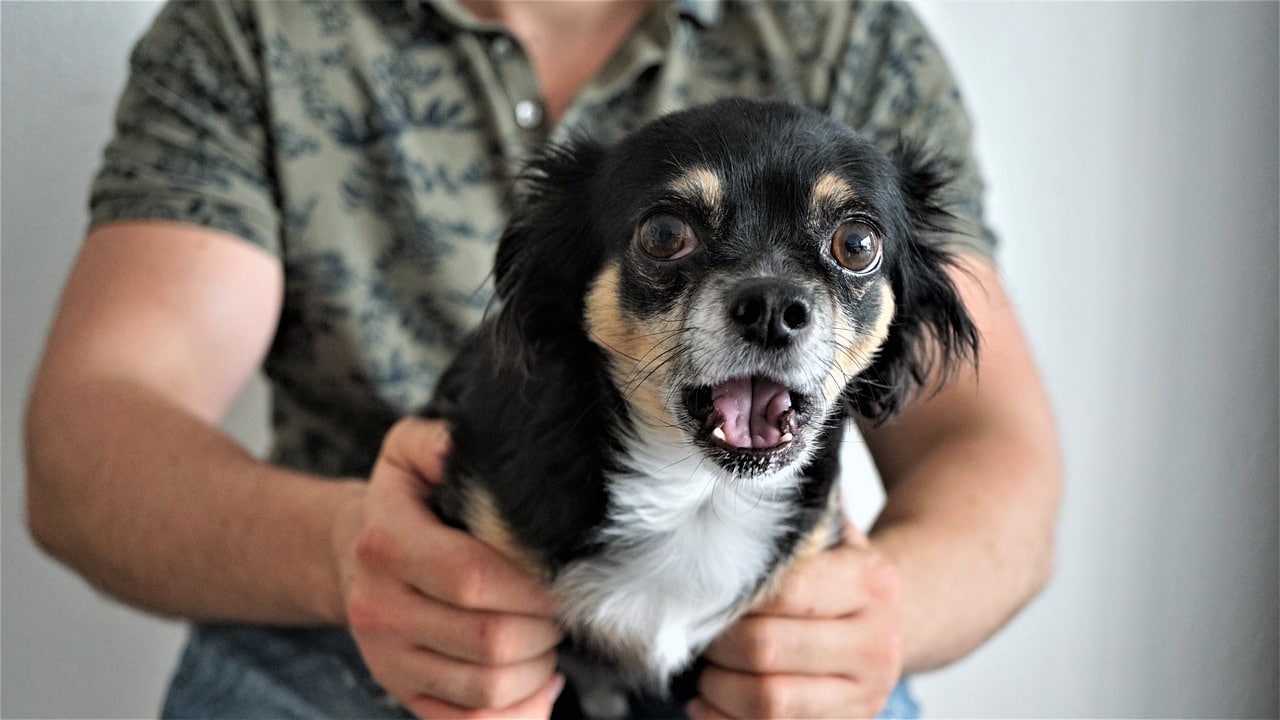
64, 650
1132, 153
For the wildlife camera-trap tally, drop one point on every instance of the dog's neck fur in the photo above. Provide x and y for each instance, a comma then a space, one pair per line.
687, 550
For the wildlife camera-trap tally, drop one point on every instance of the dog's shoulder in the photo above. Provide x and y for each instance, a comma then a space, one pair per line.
529, 446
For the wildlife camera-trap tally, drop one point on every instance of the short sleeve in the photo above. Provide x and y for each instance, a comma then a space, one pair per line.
892, 84
191, 140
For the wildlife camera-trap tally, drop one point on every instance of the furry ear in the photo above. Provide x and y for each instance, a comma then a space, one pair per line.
548, 252
931, 333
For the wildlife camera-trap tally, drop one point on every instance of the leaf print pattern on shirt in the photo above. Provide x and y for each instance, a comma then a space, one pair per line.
363, 144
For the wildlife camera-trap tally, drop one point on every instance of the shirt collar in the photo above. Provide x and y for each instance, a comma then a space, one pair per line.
704, 12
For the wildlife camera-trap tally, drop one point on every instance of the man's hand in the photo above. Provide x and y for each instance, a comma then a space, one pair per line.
828, 644
446, 625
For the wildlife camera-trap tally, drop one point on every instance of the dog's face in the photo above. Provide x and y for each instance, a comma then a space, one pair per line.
743, 268
747, 293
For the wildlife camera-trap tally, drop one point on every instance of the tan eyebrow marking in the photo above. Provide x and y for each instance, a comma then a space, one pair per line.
700, 185
831, 189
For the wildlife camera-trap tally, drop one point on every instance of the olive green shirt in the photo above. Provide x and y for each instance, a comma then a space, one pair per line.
370, 145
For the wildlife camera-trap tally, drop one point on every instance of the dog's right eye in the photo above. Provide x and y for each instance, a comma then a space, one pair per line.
666, 237
856, 246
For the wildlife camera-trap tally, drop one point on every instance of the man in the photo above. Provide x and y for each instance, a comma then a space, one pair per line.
315, 189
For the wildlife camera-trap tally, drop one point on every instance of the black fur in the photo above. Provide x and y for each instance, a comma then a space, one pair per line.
932, 334
535, 417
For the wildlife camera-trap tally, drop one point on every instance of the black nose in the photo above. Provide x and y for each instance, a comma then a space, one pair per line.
769, 311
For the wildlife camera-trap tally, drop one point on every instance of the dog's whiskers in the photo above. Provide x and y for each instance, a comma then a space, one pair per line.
645, 373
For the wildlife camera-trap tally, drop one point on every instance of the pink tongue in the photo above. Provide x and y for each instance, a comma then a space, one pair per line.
752, 410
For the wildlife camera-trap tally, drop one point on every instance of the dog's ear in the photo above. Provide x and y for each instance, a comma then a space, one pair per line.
931, 333
548, 253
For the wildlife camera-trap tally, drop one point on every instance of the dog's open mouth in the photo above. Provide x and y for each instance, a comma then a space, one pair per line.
748, 414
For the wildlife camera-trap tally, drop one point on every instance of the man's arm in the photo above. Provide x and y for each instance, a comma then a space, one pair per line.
129, 479
973, 479
131, 483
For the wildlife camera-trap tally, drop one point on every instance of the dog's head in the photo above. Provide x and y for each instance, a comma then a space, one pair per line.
746, 269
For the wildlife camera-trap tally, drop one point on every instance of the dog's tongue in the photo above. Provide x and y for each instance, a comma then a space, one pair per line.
755, 412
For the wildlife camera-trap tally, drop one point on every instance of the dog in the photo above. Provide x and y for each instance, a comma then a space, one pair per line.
651, 422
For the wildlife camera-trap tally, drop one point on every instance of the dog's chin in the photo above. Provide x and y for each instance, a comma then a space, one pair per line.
750, 426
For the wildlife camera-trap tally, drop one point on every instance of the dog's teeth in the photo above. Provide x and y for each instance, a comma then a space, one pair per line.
786, 438
718, 433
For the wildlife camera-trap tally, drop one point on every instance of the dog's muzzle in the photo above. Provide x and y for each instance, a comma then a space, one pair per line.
759, 386
758, 412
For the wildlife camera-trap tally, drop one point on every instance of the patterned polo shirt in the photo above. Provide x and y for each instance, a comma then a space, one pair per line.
370, 146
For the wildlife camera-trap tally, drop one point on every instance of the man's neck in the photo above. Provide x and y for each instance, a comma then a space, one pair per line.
568, 41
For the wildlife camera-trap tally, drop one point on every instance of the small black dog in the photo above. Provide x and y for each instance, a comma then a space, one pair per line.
652, 421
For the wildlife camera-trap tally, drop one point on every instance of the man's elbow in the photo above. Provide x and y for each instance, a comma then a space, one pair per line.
50, 516
1042, 568
1042, 559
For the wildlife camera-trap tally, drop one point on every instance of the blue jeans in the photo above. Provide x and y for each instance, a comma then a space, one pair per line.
235, 671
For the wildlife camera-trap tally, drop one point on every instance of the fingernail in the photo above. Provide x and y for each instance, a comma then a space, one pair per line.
442, 441
556, 687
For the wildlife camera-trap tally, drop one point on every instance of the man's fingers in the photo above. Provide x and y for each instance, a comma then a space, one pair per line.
853, 536
828, 644
489, 638
400, 613
835, 583
700, 709
469, 574
404, 538
445, 623
763, 643
537, 705
452, 566
726, 693
418, 673
766, 644
419, 447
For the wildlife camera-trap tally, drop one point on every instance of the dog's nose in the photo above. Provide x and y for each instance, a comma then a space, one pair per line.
769, 311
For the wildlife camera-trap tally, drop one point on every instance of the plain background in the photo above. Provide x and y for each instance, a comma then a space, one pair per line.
1132, 154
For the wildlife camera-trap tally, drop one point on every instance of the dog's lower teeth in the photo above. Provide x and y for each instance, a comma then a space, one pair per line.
718, 434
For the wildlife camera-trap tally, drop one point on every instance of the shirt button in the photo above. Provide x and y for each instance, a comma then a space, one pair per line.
501, 47
528, 114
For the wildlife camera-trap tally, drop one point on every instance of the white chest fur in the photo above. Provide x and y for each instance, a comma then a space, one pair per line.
686, 547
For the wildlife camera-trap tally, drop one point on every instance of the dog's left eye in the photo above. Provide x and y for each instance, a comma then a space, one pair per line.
856, 246
666, 237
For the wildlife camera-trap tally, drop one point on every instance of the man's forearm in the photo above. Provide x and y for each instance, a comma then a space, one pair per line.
973, 480
971, 533
160, 509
